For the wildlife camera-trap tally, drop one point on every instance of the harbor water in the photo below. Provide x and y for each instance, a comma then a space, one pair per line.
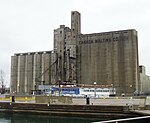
27, 118
9, 117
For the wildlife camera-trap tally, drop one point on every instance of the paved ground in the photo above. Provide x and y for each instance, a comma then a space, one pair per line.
110, 101
98, 101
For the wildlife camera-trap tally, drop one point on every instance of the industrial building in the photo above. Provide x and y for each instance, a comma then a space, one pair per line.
145, 81
106, 58
109, 58
27, 71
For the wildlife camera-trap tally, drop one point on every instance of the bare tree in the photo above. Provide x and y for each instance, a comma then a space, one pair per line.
2, 85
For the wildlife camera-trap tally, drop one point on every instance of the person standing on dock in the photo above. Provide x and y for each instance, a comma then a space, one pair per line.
13, 98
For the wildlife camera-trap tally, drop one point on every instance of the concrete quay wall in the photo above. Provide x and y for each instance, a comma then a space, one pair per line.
68, 110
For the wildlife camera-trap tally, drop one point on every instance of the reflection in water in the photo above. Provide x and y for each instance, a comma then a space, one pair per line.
26, 118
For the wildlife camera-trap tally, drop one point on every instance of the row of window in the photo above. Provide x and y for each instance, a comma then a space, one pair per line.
98, 90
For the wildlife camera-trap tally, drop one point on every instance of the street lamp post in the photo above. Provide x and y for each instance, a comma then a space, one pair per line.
61, 89
18, 87
95, 89
112, 85
35, 90
131, 89
131, 97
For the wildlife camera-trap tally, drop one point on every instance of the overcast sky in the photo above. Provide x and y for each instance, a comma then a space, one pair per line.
27, 25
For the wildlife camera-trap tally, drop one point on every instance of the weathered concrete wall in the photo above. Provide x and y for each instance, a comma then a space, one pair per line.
109, 58
37, 69
28, 74
46, 61
21, 74
53, 99
26, 67
68, 110
14, 73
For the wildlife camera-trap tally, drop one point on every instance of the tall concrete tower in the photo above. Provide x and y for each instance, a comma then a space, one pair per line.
71, 73
60, 49
65, 41
75, 26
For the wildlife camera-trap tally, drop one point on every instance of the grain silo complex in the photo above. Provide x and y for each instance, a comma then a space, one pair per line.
107, 58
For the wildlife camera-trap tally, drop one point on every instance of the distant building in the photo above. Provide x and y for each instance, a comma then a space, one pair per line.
109, 58
145, 81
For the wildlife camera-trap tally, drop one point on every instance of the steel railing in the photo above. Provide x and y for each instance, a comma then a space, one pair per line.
132, 120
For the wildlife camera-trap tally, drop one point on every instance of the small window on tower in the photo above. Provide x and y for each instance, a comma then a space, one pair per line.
73, 29
72, 13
